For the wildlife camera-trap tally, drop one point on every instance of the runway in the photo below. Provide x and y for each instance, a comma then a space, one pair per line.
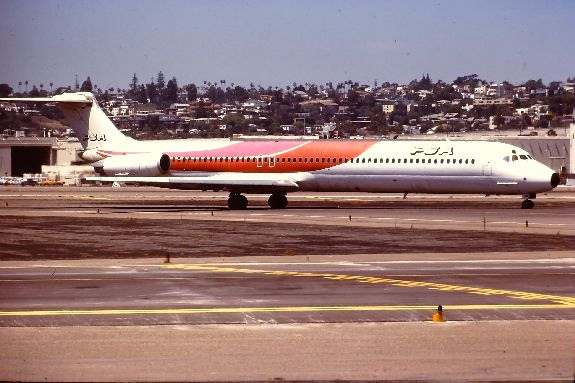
348, 283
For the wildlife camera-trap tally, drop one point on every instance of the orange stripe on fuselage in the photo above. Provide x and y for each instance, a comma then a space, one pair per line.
311, 156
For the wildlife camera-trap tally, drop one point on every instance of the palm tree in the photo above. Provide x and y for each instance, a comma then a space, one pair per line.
19, 86
51, 85
26, 83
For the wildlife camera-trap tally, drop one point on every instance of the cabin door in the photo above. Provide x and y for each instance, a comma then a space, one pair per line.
487, 168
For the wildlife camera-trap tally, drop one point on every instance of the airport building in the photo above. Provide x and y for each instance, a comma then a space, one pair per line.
53, 158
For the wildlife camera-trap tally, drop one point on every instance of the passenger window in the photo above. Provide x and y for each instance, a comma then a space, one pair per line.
472, 161
466, 161
411, 160
435, 161
387, 160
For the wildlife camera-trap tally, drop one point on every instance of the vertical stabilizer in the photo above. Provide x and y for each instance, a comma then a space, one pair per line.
93, 128
83, 114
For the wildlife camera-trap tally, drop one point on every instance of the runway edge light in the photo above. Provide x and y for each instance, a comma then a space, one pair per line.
438, 315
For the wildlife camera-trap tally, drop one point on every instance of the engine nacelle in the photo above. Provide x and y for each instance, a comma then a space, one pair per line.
136, 165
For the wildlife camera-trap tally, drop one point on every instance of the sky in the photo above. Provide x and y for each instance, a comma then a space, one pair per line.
277, 43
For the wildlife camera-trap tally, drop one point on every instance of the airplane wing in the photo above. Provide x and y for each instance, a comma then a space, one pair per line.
244, 182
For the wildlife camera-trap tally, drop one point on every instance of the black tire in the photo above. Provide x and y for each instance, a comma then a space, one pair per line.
527, 204
237, 202
278, 201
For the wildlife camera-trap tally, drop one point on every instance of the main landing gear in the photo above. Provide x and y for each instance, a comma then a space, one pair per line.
237, 201
278, 201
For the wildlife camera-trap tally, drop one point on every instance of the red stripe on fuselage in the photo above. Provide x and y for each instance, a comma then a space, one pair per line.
302, 157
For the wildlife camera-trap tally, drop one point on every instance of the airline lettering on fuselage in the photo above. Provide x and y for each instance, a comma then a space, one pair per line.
95, 137
433, 151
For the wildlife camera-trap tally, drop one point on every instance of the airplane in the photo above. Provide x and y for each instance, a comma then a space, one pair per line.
278, 167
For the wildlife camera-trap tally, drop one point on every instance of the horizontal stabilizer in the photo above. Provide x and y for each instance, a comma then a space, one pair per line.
82, 97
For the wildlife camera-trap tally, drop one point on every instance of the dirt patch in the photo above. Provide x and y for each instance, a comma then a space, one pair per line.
32, 238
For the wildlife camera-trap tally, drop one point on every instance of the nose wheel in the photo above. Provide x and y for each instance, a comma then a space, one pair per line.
527, 204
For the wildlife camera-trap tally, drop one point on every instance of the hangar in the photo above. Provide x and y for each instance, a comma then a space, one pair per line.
26, 155
47, 155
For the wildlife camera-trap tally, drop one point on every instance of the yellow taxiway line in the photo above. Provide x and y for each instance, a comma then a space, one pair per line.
565, 300
235, 310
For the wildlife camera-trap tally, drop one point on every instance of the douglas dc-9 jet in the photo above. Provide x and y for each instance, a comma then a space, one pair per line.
277, 167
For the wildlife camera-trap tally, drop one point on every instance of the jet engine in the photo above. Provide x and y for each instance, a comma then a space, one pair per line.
135, 165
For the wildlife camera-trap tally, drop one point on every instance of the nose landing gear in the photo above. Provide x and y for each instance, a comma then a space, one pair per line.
527, 204
527, 201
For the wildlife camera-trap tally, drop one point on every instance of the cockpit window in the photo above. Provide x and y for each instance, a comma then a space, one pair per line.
506, 158
514, 157
529, 157
523, 156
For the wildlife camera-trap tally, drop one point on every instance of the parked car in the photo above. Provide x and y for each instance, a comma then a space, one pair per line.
51, 183
29, 182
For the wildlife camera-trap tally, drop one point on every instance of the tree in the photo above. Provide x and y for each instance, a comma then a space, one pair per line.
34, 92
171, 91
86, 85
192, 90
134, 84
152, 92
160, 82
240, 94
141, 95
5, 90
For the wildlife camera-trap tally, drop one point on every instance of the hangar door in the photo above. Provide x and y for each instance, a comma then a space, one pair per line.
29, 159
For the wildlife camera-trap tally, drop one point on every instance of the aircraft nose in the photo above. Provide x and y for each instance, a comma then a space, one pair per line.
555, 180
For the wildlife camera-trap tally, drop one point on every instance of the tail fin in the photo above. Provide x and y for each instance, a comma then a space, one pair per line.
81, 110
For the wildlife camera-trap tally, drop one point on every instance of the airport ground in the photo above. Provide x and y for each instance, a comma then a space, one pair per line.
336, 287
